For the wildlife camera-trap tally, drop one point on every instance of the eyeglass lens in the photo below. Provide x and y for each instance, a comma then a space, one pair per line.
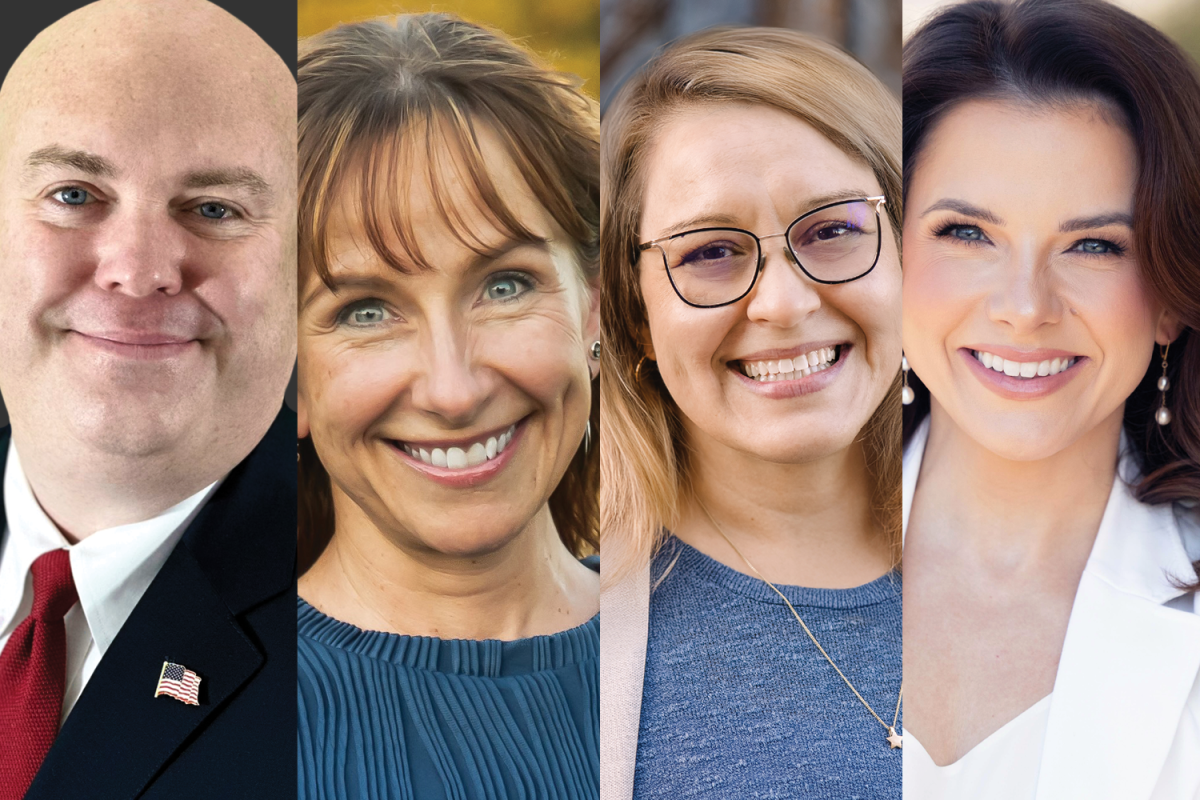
719, 265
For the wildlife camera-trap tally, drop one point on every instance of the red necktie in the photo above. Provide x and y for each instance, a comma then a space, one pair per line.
33, 670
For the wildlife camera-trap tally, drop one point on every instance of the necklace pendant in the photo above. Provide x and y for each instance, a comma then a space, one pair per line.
894, 740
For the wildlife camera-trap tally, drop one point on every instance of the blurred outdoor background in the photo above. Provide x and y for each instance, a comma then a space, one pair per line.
1179, 19
632, 30
564, 32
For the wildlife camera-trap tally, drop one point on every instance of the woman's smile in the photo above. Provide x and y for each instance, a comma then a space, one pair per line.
791, 373
1022, 376
462, 463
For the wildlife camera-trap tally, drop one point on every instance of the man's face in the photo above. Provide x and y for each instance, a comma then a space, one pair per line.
147, 231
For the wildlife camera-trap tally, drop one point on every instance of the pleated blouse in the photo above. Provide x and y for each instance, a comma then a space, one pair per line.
390, 716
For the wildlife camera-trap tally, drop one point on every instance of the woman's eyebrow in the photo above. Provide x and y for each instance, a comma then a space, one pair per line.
337, 283
1097, 221
727, 221
964, 208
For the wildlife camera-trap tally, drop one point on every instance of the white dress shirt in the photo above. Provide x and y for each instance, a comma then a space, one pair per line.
112, 570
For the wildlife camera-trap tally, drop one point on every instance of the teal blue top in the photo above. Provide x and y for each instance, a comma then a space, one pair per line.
391, 716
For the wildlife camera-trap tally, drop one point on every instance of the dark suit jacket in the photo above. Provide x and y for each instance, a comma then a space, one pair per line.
224, 606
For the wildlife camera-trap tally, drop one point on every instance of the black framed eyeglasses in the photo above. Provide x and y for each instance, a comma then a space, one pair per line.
712, 267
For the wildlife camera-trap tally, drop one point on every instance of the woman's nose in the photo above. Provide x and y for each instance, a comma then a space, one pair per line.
450, 384
782, 295
140, 253
1025, 295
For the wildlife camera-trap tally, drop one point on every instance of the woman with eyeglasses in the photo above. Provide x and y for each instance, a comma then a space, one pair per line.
1052, 466
448, 352
750, 498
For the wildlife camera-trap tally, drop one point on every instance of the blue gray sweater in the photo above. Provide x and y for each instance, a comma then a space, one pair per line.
737, 701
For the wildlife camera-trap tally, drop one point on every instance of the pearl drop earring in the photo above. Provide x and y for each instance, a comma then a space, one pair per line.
906, 394
1163, 415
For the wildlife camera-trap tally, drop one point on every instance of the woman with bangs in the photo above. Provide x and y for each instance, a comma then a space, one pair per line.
1052, 465
750, 492
448, 348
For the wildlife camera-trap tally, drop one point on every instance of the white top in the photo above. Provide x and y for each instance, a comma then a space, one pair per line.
112, 568
1004, 766
1123, 721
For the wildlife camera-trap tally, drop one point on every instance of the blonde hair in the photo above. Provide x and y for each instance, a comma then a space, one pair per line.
376, 96
644, 476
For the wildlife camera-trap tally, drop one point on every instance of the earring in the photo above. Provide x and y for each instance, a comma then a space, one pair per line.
587, 438
637, 371
1163, 415
906, 393
596, 350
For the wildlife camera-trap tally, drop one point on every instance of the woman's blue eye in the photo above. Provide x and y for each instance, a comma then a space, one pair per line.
1098, 247
213, 210
72, 196
967, 233
365, 315
506, 287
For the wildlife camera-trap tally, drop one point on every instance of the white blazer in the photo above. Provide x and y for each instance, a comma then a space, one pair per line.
1125, 712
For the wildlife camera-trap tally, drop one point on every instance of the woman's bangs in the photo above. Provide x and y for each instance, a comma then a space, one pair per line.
426, 158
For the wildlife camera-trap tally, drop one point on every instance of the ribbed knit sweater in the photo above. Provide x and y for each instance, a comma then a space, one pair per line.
389, 716
738, 703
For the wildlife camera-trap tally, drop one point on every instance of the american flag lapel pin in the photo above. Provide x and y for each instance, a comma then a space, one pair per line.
179, 682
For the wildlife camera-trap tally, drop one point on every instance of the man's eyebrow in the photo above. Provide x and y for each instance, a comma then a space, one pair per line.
237, 177
57, 156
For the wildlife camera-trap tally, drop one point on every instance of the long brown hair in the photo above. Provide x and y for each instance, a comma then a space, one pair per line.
1054, 50
644, 461
373, 93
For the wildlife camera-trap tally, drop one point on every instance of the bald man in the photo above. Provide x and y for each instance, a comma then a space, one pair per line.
147, 333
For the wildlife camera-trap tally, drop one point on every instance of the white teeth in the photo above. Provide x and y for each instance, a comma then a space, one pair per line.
1023, 369
464, 457
789, 369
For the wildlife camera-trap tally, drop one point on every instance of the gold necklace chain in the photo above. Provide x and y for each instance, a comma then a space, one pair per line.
894, 739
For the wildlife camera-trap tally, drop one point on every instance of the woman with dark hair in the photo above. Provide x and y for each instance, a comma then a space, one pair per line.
448, 351
1052, 462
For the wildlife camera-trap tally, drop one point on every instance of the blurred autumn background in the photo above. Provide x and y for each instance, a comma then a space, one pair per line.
566, 33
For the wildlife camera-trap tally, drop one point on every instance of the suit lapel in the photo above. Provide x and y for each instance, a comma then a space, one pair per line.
1128, 662
119, 734
238, 552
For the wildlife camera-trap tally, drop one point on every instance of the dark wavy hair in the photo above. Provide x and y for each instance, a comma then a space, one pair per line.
376, 96
1054, 51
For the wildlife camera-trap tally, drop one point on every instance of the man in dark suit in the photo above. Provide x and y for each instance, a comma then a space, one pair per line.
147, 333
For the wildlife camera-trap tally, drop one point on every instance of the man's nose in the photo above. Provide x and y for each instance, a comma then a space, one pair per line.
141, 253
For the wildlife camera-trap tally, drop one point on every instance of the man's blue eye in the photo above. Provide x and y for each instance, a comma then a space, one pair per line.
72, 196
213, 210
